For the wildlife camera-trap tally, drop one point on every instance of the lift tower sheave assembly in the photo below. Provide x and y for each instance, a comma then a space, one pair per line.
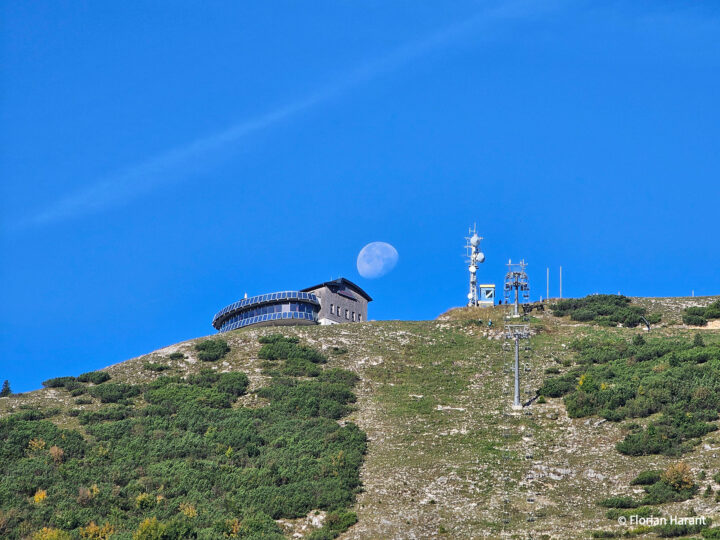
474, 257
517, 332
516, 280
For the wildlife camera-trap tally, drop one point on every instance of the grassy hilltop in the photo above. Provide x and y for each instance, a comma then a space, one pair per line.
385, 429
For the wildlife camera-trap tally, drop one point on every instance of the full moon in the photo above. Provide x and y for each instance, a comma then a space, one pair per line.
376, 259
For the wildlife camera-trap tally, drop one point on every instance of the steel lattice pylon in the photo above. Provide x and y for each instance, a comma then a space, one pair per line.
516, 280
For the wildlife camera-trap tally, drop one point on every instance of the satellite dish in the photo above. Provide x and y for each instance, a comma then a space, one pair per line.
475, 240
470, 296
480, 257
473, 268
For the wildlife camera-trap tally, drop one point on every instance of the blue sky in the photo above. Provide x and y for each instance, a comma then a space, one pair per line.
160, 159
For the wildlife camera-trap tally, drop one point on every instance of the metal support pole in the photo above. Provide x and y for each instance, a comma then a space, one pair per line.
561, 282
516, 312
516, 402
516, 332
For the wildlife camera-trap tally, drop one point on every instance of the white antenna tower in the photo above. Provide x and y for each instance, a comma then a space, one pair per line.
516, 279
475, 257
517, 332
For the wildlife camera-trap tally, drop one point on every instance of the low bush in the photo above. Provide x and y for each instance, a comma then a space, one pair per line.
605, 309
211, 350
176, 356
183, 463
114, 392
671, 530
699, 316
115, 413
646, 478
95, 377
58, 382
661, 492
298, 360
558, 386
619, 502
617, 380
154, 366
273, 338
694, 320
234, 384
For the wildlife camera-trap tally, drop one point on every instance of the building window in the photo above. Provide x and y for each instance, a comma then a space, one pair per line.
359, 317
347, 314
332, 308
353, 316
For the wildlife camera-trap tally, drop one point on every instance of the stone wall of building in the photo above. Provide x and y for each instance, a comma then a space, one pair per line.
336, 307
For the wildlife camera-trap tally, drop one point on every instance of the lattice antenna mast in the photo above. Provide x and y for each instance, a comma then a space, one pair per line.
517, 332
516, 280
474, 257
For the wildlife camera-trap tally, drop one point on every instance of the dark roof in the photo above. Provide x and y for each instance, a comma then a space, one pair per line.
340, 282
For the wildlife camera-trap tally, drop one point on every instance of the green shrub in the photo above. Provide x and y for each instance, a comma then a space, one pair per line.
116, 412
640, 511
211, 350
646, 478
661, 492
58, 382
619, 502
619, 380
238, 468
698, 316
273, 338
694, 320
234, 384
605, 309
671, 530
114, 392
95, 377
299, 367
154, 366
176, 356
558, 386
174, 396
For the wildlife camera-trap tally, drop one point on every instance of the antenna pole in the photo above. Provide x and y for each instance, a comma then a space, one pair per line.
475, 257
561, 283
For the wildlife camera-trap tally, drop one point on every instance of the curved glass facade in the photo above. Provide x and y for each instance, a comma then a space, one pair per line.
287, 307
